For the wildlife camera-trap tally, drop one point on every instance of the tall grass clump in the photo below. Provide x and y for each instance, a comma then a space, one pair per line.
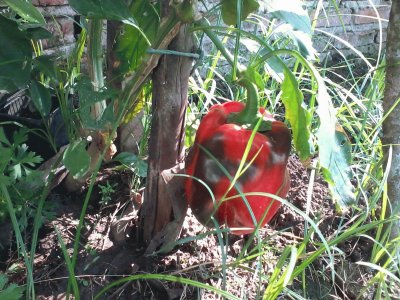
357, 100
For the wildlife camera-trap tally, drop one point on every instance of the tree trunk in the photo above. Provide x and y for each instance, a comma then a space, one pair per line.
391, 126
164, 206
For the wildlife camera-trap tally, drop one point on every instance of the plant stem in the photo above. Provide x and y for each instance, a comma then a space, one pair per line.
250, 111
216, 41
30, 283
95, 52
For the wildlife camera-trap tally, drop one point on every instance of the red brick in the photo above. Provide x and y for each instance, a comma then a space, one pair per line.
332, 19
62, 30
368, 15
67, 26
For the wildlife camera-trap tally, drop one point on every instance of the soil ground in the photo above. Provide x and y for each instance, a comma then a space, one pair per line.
104, 257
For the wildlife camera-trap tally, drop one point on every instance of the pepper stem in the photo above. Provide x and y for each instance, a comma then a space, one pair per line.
248, 115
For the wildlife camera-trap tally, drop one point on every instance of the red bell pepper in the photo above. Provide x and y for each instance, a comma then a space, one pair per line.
220, 144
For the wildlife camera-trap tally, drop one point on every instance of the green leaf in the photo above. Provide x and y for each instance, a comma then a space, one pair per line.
15, 54
38, 33
292, 12
20, 136
5, 158
299, 24
106, 9
3, 137
131, 46
76, 159
255, 77
10, 292
23, 161
302, 41
88, 97
229, 10
47, 65
298, 115
334, 150
274, 65
135, 163
41, 98
26, 10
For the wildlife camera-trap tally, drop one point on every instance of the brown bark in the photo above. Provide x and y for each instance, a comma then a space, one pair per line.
164, 206
391, 126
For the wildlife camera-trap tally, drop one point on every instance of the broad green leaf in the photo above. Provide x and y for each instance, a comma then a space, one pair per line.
297, 115
131, 45
76, 159
38, 33
103, 9
251, 45
292, 12
15, 55
274, 65
300, 31
106, 9
334, 150
126, 158
47, 65
88, 97
229, 10
26, 10
302, 41
304, 44
135, 163
41, 98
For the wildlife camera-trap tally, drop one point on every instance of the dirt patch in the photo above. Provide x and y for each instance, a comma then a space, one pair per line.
199, 255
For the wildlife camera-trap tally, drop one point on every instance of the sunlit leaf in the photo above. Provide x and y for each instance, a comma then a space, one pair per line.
76, 159
292, 12
131, 46
297, 115
26, 10
302, 41
229, 10
299, 29
334, 151
274, 65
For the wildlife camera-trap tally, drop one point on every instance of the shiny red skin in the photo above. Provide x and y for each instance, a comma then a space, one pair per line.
227, 143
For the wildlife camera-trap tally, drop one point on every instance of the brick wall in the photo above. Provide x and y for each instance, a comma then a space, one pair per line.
356, 24
60, 22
